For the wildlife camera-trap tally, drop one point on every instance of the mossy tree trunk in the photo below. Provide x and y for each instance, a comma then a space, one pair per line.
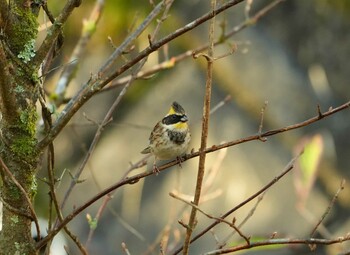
18, 96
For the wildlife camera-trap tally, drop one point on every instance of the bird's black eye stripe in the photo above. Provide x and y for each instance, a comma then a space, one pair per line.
172, 119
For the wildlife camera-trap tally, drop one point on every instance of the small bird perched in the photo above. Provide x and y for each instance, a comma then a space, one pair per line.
170, 136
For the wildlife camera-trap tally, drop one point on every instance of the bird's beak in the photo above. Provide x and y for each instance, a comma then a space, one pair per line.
184, 118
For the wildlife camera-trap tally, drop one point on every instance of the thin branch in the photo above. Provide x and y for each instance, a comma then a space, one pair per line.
247, 8
231, 224
97, 218
125, 249
96, 84
119, 51
25, 195
54, 31
50, 163
250, 214
50, 170
286, 170
220, 104
88, 29
335, 197
262, 119
287, 241
76, 241
137, 177
57, 43
204, 137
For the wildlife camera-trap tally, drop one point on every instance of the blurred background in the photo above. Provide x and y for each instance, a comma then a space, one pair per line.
294, 58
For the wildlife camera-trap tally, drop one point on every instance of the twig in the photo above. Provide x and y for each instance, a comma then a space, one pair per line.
56, 44
137, 177
54, 31
204, 136
25, 195
50, 163
126, 225
262, 120
97, 217
76, 241
119, 51
335, 197
213, 171
231, 224
287, 169
50, 173
125, 249
250, 214
220, 104
89, 27
247, 8
268, 242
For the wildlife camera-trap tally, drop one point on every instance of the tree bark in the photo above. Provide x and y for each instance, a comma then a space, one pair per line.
18, 96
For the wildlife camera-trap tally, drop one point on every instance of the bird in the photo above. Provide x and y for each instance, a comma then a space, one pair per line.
170, 137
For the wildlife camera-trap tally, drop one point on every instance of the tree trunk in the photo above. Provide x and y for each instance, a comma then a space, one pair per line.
18, 96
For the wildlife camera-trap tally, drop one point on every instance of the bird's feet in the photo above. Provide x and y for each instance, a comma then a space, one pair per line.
155, 169
179, 160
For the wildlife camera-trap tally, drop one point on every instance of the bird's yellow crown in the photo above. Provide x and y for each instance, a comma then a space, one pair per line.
177, 109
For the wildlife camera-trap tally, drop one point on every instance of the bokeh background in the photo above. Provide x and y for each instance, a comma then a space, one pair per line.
296, 57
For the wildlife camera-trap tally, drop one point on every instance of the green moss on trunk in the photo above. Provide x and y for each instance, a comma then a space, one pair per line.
23, 30
18, 127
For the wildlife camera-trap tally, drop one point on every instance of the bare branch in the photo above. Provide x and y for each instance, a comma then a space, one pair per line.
88, 29
125, 249
286, 170
97, 218
204, 136
54, 31
268, 242
250, 214
231, 224
119, 51
335, 197
50, 168
262, 120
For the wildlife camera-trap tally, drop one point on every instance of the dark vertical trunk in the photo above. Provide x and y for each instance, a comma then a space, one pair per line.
19, 157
